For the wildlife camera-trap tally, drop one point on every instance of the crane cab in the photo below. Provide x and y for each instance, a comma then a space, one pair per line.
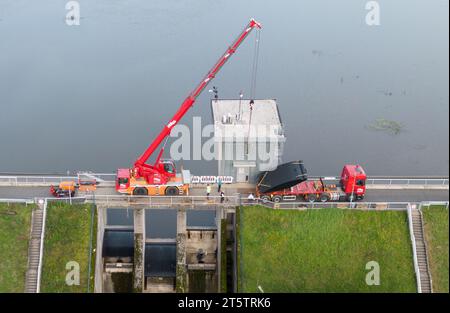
167, 166
353, 180
129, 182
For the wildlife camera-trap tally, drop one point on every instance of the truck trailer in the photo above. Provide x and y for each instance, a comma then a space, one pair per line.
350, 187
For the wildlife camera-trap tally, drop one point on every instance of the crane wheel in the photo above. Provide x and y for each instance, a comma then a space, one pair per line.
265, 199
277, 199
324, 197
311, 197
172, 191
140, 191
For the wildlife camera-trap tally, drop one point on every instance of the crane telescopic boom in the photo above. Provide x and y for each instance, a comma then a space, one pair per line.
142, 169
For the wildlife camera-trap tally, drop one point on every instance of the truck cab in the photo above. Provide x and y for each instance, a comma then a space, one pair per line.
123, 179
353, 181
64, 190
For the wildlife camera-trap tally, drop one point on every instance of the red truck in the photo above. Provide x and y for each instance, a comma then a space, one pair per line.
351, 187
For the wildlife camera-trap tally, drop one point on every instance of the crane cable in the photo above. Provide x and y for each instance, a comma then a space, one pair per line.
253, 78
255, 64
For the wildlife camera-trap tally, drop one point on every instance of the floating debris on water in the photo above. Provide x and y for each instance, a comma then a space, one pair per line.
387, 93
419, 147
381, 124
318, 53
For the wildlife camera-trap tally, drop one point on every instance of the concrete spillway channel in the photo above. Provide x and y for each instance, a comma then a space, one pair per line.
160, 249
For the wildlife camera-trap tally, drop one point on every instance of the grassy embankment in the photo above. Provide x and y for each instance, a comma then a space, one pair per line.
323, 250
15, 223
67, 234
436, 234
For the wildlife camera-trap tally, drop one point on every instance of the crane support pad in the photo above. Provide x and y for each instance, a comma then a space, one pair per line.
284, 176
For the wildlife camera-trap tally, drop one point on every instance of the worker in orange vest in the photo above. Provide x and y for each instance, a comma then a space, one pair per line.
208, 191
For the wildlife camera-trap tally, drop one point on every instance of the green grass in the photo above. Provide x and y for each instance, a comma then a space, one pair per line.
67, 236
436, 234
15, 222
324, 250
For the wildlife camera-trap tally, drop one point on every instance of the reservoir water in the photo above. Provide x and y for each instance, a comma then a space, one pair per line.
93, 96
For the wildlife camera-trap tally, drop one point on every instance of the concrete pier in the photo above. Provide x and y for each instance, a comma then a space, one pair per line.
181, 280
139, 251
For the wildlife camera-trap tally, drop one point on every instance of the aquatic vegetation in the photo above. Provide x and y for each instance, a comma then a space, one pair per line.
318, 53
387, 93
381, 124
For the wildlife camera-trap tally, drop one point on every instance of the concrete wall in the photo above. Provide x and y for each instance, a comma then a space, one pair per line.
227, 160
201, 239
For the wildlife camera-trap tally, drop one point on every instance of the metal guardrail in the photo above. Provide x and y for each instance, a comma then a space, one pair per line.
408, 181
10, 201
228, 201
17, 180
395, 180
166, 200
147, 200
100, 177
69, 200
110, 177
393, 206
431, 203
399, 206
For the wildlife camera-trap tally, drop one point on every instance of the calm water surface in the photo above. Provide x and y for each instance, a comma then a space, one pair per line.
92, 97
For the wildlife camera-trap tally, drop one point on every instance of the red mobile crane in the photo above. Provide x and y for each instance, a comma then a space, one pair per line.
161, 177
